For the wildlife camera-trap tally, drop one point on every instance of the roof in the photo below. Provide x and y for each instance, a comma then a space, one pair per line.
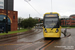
72, 15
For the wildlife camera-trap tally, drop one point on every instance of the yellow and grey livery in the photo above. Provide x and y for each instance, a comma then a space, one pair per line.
51, 25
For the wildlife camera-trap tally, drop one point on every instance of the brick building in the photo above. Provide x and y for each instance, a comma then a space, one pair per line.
12, 15
68, 21
12, 20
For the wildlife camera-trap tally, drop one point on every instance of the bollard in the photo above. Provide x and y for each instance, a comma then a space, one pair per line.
65, 31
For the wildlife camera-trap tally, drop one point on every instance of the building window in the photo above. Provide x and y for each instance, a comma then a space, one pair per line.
13, 17
73, 18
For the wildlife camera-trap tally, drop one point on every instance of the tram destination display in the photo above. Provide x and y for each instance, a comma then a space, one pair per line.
51, 15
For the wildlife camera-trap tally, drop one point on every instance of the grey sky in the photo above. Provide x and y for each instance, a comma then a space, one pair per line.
63, 7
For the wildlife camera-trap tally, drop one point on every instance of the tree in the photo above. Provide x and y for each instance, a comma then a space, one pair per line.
29, 22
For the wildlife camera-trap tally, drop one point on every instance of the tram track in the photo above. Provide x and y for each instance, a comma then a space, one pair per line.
36, 32
12, 38
45, 45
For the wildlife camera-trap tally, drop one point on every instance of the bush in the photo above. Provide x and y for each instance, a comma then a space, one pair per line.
29, 23
67, 26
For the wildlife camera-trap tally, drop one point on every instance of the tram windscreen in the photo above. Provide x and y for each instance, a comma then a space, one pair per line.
51, 22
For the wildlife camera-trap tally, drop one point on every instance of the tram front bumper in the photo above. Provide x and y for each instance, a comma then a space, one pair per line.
52, 35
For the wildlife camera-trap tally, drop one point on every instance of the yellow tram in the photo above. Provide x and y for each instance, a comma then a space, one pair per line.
51, 25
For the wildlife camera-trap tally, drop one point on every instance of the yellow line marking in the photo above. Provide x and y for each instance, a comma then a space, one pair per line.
12, 44
56, 42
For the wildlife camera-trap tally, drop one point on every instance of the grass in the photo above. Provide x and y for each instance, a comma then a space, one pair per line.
68, 27
12, 32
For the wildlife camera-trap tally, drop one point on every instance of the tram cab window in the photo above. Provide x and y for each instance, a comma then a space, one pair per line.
51, 23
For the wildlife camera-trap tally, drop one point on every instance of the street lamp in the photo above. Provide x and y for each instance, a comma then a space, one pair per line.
6, 16
27, 0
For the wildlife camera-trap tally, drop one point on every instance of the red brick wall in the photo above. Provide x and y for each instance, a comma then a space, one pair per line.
69, 21
14, 22
73, 16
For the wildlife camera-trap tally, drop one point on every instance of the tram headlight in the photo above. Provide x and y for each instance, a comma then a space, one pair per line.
45, 30
57, 30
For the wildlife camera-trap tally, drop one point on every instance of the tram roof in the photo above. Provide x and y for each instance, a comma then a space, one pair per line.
51, 13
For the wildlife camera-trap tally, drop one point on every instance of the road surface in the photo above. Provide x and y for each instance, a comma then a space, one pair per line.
35, 41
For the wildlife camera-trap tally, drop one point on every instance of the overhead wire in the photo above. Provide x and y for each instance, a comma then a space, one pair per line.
51, 5
33, 8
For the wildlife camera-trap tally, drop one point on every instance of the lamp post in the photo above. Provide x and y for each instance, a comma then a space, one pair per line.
4, 23
19, 24
6, 16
